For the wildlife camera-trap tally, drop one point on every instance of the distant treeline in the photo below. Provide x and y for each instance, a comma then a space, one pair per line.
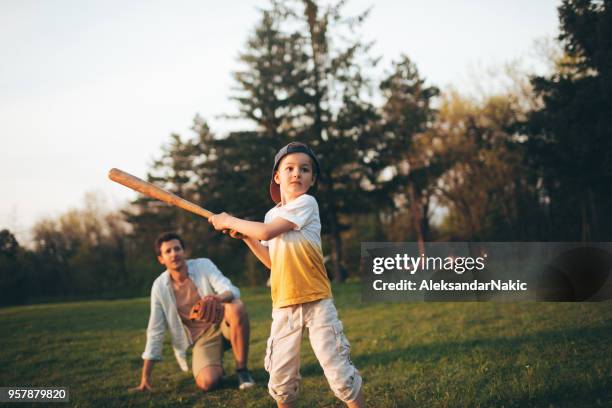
400, 160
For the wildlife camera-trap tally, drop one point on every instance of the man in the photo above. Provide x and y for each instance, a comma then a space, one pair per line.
173, 295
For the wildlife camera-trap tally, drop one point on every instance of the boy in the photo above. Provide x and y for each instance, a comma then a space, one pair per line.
301, 293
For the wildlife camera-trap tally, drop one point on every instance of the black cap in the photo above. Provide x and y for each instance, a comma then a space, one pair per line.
293, 147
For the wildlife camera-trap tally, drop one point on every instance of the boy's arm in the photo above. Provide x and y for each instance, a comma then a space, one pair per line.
252, 229
261, 251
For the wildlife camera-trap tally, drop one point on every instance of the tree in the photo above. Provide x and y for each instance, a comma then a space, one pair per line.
490, 192
12, 289
8, 244
225, 174
81, 252
304, 80
403, 151
570, 137
268, 88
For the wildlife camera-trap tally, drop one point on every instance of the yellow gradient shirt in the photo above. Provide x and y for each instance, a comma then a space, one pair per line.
298, 274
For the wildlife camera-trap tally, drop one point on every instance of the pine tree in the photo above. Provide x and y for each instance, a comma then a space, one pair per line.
304, 81
404, 150
571, 136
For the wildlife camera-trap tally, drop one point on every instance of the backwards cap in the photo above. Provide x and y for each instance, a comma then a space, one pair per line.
293, 147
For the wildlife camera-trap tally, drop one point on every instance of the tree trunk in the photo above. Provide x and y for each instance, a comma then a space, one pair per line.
585, 230
596, 228
425, 219
416, 217
311, 16
317, 44
337, 255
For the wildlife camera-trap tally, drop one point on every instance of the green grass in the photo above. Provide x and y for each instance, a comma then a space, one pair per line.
411, 354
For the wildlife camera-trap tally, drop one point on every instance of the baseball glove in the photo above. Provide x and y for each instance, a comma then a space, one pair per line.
208, 309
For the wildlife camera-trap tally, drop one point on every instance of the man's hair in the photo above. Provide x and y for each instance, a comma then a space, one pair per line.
165, 237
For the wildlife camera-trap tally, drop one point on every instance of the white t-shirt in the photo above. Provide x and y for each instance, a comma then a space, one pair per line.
298, 274
304, 213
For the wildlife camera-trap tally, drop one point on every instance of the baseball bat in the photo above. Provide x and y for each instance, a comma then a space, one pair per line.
151, 190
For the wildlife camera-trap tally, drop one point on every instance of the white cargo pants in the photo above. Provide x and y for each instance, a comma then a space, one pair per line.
328, 343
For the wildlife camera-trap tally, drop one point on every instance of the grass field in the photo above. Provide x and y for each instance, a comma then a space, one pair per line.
410, 355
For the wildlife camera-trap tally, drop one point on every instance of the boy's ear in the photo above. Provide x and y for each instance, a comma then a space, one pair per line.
276, 178
160, 259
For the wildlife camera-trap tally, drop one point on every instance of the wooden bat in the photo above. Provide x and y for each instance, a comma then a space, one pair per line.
150, 190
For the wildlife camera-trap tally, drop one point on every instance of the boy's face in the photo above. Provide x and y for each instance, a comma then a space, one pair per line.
294, 175
172, 255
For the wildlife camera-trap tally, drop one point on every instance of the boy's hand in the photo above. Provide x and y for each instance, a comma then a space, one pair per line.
235, 234
220, 221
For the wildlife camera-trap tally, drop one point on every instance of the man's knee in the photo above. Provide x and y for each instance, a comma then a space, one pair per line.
235, 312
208, 378
206, 384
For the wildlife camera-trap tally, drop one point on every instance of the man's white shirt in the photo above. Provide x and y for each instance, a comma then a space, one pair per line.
209, 280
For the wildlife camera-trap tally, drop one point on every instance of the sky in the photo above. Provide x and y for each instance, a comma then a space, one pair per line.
90, 85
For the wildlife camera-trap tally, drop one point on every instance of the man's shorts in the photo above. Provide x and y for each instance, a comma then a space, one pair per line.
208, 348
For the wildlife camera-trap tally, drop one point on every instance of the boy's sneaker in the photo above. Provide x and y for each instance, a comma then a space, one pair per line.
244, 379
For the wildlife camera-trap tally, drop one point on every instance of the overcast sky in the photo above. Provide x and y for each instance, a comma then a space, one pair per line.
90, 85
